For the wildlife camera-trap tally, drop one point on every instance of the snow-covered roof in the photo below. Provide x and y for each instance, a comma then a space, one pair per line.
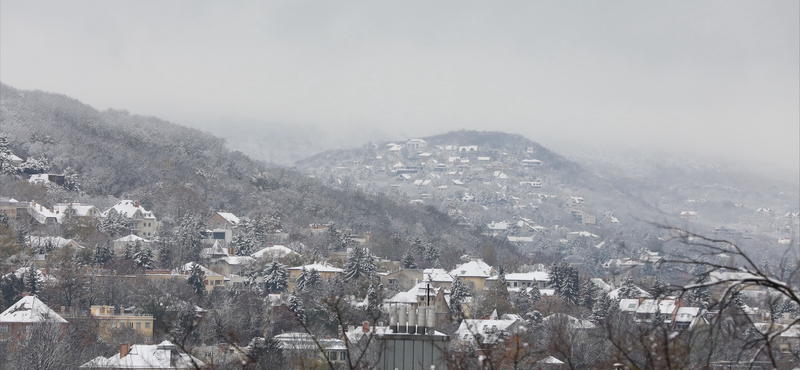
55, 241
436, 276
665, 306
687, 314
238, 260
29, 310
474, 268
128, 209
571, 321
41, 213
528, 276
550, 360
320, 267
274, 251
498, 225
628, 305
185, 269
164, 355
614, 294
230, 217
301, 341
489, 330
131, 239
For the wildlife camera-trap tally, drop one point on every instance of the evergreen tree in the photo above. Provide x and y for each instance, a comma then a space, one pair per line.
659, 289
102, 254
564, 279
143, 258
629, 290
522, 301
114, 224
600, 309
658, 318
165, 253
373, 299
32, 280
300, 283
589, 293
296, 306
314, 279
359, 263
534, 293
197, 279
431, 253
276, 278
535, 317
497, 297
408, 260
458, 292
189, 238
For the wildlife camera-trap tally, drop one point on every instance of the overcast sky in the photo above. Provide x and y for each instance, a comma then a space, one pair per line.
711, 78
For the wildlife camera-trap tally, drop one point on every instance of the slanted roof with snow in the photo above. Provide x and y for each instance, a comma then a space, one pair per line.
55, 241
320, 267
489, 330
230, 217
436, 276
528, 276
128, 209
164, 355
187, 268
132, 239
30, 310
277, 251
474, 268
571, 321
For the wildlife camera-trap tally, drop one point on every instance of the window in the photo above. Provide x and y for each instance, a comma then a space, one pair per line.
130, 325
4, 328
138, 326
147, 325
343, 356
216, 282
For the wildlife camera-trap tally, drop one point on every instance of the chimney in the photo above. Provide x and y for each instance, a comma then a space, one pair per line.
124, 348
136, 204
365, 327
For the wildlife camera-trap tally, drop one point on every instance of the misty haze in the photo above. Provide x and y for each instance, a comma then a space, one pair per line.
448, 185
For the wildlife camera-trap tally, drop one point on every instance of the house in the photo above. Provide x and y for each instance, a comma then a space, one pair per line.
689, 215
473, 273
45, 178
164, 355
212, 280
568, 322
222, 220
535, 279
531, 163
438, 278
47, 243
123, 242
141, 222
12, 208
77, 209
325, 270
42, 214
112, 325
402, 279
487, 332
416, 144
303, 352
27, 311
667, 309
687, 318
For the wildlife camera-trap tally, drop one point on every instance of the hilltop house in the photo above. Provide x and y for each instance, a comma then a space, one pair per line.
325, 270
112, 325
141, 222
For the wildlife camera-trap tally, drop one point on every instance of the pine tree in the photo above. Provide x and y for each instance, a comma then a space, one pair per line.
31, 279
431, 253
314, 279
373, 299
589, 293
296, 306
144, 258
658, 318
197, 279
564, 279
600, 309
458, 292
408, 260
102, 254
659, 289
534, 293
522, 301
276, 278
300, 283
360, 263
629, 290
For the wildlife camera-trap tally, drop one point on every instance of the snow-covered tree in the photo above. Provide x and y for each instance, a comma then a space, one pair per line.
102, 254
296, 306
589, 293
276, 278
522, 301
300, 283
458, 292
408, 260
659, 289
360, 262
431, 253
115, 224
564, 279
629, 290
143, 257
197, 279
600, 309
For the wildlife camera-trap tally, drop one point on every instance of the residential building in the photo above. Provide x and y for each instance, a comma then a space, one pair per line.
473, 273
164, 355
113, 326
27, 311
141, 222
325, 270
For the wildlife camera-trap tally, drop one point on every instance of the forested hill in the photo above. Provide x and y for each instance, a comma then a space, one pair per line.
177, 171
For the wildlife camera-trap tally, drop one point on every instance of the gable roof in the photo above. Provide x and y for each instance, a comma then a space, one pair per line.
128, 209
230, 217
164, 355
474, 268
30, 310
